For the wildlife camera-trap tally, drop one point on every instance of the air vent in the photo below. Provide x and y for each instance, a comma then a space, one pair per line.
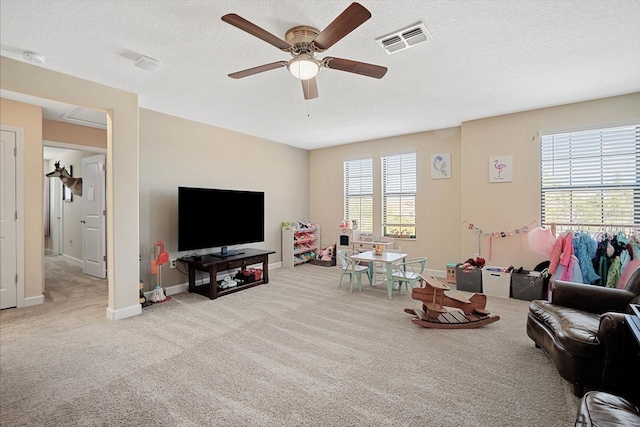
405, 38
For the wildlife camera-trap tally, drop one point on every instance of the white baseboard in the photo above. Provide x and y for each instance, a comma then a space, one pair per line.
73, 260
123, 313
171, 290
436, 273
28, 302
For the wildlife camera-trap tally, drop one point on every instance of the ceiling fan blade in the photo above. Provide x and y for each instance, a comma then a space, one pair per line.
369, 70
310, 88
352, 17
254, 30
256, 70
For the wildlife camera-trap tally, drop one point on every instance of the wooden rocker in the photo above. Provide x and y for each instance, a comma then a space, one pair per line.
435, 313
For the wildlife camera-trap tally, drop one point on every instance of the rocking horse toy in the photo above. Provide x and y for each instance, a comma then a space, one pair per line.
435, 312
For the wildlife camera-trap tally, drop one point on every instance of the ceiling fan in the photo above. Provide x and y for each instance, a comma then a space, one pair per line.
303, 42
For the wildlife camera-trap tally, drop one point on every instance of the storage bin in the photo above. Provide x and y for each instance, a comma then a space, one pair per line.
527, 287
323, 262
469, 279
496, 282
451, 272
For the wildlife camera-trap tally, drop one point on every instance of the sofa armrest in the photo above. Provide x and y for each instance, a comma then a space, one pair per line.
611, 335
590, 298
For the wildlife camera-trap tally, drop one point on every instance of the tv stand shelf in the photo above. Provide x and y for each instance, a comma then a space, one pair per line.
215, 264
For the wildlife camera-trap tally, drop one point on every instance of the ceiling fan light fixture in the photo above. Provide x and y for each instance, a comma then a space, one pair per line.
304, 67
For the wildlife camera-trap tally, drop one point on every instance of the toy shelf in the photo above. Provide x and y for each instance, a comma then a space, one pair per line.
299, 245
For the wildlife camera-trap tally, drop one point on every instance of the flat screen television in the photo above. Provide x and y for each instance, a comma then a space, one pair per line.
212, 218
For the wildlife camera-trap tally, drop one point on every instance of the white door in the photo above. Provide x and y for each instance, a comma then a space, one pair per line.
8, 223
94, 249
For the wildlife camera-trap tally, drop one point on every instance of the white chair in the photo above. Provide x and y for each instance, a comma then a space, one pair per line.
409, 272
351, 267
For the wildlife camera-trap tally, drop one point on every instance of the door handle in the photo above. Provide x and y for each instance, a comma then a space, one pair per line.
83, 221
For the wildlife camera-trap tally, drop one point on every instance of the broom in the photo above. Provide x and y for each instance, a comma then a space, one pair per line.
156, 264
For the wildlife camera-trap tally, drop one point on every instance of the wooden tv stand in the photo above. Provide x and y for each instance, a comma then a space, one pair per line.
214, 264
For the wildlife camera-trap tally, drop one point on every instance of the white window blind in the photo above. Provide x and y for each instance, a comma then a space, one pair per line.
358, 193
399, 195
591, 177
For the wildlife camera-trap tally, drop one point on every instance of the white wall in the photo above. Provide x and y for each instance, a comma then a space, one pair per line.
501, 207
177, 152
447, 207
438, 201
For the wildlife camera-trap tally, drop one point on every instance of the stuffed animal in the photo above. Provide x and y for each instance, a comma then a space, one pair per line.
478, 263
328, 254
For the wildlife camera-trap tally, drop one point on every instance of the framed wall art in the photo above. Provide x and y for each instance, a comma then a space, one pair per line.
441, 166
501, 169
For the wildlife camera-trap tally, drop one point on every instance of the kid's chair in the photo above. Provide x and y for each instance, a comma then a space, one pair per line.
351, 267
409, 272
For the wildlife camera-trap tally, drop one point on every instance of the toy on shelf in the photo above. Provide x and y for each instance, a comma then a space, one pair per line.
326, 257
435, 312
328, 254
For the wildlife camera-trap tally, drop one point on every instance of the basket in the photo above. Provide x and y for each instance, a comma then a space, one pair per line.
322, 262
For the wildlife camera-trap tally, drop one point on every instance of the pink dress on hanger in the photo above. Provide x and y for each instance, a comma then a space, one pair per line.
556, 252
567, 259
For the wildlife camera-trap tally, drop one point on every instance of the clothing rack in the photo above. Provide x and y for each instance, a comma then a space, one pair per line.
632, 228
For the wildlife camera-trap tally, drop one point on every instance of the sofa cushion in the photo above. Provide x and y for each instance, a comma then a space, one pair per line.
575, 330
598, 408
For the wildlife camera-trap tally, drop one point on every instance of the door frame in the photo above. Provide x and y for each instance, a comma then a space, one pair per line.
19, 159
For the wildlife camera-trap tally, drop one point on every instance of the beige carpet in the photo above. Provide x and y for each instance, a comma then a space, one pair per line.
298, 351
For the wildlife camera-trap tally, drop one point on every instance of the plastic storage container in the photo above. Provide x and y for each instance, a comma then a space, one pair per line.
527, 286
496, 282
469, 279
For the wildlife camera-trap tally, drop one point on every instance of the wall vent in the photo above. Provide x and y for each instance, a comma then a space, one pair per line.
405, 38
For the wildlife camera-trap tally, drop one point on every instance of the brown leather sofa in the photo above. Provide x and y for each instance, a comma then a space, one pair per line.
581, 329
599, 408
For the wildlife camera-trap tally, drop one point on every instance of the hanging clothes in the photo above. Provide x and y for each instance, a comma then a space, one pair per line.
585, 248
567, 259
603, 261
554, 257
625, 257
634, 249
571, 273
613, 276
628, 270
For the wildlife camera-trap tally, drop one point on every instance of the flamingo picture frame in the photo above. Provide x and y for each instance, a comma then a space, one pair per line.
501, 169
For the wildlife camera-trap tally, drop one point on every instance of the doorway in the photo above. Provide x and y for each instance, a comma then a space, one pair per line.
36, 86
69, 235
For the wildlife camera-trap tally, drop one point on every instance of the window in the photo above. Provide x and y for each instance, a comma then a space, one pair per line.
399, 195
358, 193
591, 177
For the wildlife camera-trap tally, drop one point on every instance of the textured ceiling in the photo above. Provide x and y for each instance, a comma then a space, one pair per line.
487, 57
